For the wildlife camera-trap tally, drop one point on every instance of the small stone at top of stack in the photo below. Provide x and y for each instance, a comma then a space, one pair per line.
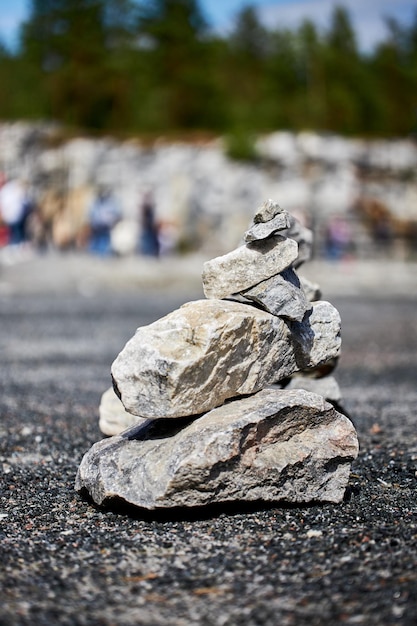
268, 219
262, 270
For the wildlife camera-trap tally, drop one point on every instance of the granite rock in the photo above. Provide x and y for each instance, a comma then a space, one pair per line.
267, 212
247, 265
113, 417
274, 446
208, 351
281, 295
327, 386
312, 290
304, 238
317, 338
262, 230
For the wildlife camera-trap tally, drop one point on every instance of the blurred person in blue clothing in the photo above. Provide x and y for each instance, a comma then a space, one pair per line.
149, 244
103, 215
339, 244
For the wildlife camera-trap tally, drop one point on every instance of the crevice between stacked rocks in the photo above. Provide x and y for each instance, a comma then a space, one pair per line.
230, 398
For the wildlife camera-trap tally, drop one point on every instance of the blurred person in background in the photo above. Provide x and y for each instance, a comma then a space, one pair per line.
4, 231
15, 208
339, 244
103, 215
149, 236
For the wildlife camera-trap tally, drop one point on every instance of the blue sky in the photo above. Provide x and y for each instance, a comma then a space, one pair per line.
367, 15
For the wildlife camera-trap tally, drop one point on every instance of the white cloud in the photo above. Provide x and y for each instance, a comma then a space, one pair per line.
367, 15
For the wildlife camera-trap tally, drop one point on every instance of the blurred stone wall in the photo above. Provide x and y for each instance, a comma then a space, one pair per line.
204, 200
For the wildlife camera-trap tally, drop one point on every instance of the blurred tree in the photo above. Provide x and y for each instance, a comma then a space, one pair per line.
248, 50
394, 66
341, 36
282, 81
74, 47
312, 111
7, 104
155, 66
17, 80
174, 32
341, 59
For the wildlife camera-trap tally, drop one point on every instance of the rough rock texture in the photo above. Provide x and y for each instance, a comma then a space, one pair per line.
312, 290
324, 369
327, 386
304, 237
281, 295
198, 356
113, 417
247, 266
317, 337
262, 230
276, 445
267, 211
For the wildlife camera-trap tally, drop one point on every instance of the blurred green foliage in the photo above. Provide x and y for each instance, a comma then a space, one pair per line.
155, 66
240, 145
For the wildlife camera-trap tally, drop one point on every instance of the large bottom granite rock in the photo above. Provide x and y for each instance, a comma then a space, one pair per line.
276, 445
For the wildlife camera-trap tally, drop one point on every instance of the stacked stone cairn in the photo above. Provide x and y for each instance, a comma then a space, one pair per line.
227, 398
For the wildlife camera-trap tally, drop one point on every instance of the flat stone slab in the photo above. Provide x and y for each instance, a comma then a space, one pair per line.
281, 295
274, 446
267, 212
262, 230
208, 351
248, 265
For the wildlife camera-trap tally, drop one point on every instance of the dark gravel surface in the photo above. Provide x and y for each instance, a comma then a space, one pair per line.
64, 561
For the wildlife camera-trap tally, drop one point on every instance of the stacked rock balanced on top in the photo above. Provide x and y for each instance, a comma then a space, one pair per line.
219, 398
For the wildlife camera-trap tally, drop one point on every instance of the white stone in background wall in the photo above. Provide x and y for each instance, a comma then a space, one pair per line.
391, 155
339, 150
297, 191
80, 157
12, 137
276, 445
198, 184
337, 191
280, 146
401, 195
50, 160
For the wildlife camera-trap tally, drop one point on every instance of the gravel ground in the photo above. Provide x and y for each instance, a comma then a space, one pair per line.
64, 561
